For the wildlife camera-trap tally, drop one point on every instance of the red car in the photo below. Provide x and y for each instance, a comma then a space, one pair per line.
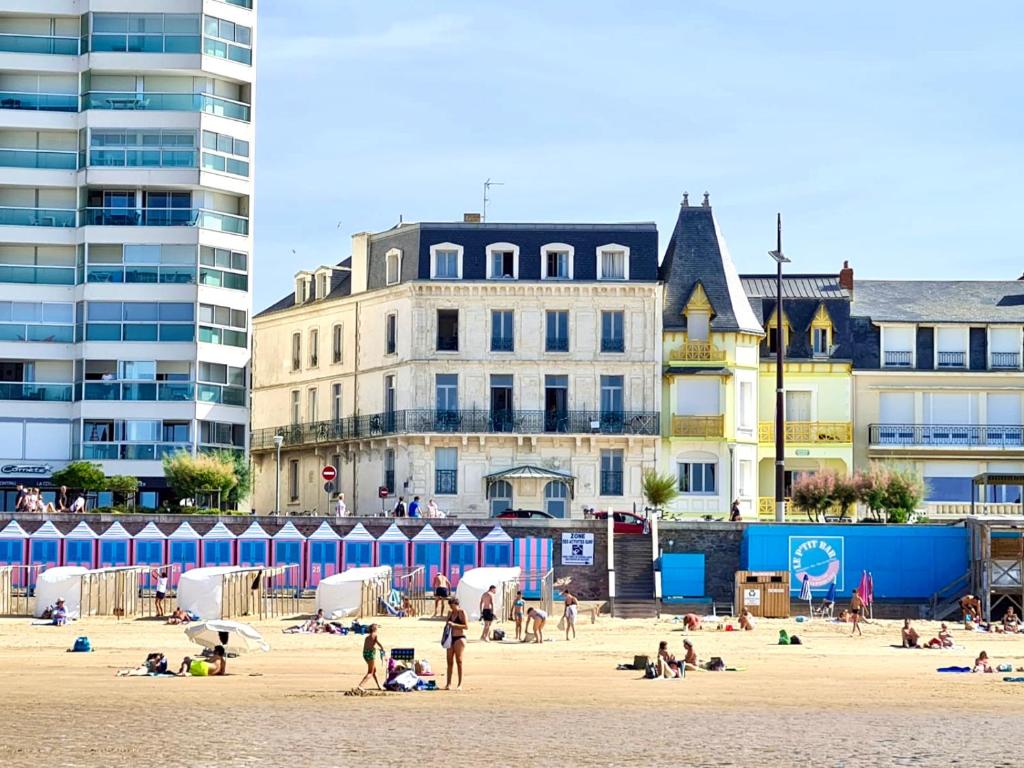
624, 522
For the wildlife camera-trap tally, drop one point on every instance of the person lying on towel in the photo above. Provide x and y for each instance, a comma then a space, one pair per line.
215, 666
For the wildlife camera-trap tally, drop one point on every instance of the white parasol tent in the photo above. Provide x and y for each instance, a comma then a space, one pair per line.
201, 590
342, 594
63, 582
233, 635
476, 581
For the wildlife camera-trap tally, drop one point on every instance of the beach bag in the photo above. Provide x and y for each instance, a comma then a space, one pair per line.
716, 665
651, 671
82, 645
794, 640
446, 637
561, 624
783, 637
498, 634
640, 662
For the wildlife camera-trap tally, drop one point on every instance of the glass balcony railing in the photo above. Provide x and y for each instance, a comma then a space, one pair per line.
168, 102
132, 451
239, 3
60, 46
57, 334
36, 217
165, 217
156, 43
223, 222
142, 158
35, 158
16, 273
39, 391
42, 102
149, 391
116, 273
224, 395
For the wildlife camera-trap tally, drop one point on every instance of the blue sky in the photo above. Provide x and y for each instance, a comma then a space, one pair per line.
888, 134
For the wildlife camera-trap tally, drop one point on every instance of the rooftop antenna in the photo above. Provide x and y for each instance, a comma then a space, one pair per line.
487, 186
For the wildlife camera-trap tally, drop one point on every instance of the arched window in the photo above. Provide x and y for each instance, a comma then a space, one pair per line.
556, 498
500, 494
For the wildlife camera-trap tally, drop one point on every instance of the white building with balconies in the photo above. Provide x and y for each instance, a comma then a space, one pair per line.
126, 186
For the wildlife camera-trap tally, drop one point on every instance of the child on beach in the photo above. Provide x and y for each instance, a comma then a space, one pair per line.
370, 646
981, 664
944, 640
518, 612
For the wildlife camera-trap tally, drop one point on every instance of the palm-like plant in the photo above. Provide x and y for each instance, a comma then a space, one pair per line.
659, 490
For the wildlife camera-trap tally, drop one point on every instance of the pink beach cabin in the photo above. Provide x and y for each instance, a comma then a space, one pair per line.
219, 546
324, 554
150, 545
393, 550
288, 547
462, 553
115, 546
254, 546
428, 553
358, 548
80, 546
496, 548
14, 548
44, 546
533, 556
183, 545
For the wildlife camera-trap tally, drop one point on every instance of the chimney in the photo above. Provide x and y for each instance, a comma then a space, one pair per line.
360, 262
686, 199
471, 218
846, 277
707, 200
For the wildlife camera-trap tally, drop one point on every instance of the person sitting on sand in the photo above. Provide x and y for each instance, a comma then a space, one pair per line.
1011, 622
746, 620
59, 614
668, 666
970, 605
690, 661
981, 664
539, 618
909, 635
315, 624
843, 617
692, 622
370, 646
944, 640
215, 666
179, 616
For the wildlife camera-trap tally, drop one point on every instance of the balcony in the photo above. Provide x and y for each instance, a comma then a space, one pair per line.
557, 344
809, 432
611, 483
163, 217
165, 102
502, 344
35, 391
697, 352
422, 421
17, 273
1005, 361
148, 391
446, 482
698, 426
221, 394
951, 359
239, 3
36, 217
139, 43
898, 359
1010, 436
58, 46
55, 334
616, 344
39, 102
131, 451
153, 157
35, 158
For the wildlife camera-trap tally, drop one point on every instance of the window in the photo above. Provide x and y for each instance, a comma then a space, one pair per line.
218, 324
314, 348
222, 268
295, 406
389, 470
311, 403
746, 474
135, 321
446, 472
558, 330
1004, 346
293, 480
337, 335
556, 261
227, 40
502, 333
611, 472
499, 493
746, 405
447, 330
296, 351
392, 267
390, 333
446, 261
613, 262
446, 388
502, 261
950, 347
898, 343
697, 478
145, 33
697, 397
335, 401
612, 334
222, 433
611, 399
556, 498
697, 326
224, 154
798, 406
142, 148
820, 341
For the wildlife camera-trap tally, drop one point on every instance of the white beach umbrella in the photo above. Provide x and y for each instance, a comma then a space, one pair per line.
234, 636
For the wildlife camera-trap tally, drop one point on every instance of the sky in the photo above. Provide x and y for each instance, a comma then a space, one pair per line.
887, 134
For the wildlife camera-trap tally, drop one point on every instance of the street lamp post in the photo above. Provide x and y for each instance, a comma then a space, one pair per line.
780, 400
278, 441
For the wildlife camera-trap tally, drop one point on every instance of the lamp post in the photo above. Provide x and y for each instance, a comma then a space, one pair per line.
780, 400
278, 442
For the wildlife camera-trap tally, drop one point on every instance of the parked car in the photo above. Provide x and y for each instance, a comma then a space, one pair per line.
525, 514
624, 522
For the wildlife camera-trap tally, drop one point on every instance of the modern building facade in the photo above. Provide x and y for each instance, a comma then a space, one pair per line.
486, 366
126, 188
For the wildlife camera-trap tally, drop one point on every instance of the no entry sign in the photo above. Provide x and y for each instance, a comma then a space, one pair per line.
328, 473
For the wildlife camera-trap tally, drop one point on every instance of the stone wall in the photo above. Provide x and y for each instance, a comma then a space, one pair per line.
720, 545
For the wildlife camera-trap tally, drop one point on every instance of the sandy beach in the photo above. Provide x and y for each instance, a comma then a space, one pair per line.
835, 701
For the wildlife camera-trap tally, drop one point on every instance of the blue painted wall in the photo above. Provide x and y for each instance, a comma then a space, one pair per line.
907, 562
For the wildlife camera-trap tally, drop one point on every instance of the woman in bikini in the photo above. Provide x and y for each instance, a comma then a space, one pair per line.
458, 623
518, 612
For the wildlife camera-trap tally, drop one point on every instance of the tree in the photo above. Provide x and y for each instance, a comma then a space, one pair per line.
126, 485
82, 476
815, 494
845, 493
243, 476
659, 490
190, 475
903, 493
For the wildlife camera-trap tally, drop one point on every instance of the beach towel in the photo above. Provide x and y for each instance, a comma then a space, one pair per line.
958, 670
446, 637
1013, 679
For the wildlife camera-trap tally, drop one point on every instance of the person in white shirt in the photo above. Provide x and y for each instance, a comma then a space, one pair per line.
79, 504
340, 509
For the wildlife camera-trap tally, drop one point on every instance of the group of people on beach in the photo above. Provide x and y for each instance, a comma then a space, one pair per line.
31, 500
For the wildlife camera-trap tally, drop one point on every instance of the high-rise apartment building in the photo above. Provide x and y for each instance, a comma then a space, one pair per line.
126, 184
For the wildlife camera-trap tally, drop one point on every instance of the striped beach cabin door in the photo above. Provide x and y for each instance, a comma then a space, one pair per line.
496, 548
358, 547
463, 553
324, 554
393, 550
219, 546
14, 549
288, 546
428, 553
183, 546
44, 546
533, 556
80, 546
115, 546
253, 546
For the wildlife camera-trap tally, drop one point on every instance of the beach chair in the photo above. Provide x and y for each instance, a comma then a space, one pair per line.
826, 609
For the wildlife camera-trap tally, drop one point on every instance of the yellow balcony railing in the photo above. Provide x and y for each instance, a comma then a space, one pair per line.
766, 511
809, 432
698, 426
697, 351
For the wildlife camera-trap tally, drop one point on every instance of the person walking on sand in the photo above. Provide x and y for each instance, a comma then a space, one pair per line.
856, 608
572, 608
458, 623
518, 612
370, 646
442, 590
161, 591
487, 611
540, 618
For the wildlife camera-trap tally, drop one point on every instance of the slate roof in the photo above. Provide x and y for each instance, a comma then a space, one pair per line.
940, 301
341, 285
697, 252
795, 287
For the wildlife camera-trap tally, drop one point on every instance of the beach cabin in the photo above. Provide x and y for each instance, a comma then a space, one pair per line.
462, 552
80, 546
115, 546
218, 546
496, 549
533, 555
357, 547
254, 546
324, 554
150, 545
393, 551
183, 549
14, 549
44, 546
428, 553
288, 546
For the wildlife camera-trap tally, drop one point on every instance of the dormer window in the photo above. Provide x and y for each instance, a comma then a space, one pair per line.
446, 261
303, 286
772, 330
898, 346
1004, 345
556, 261
392, 267
502, 261
697, 325
822, 333
613, 262
951, 347
323, 285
